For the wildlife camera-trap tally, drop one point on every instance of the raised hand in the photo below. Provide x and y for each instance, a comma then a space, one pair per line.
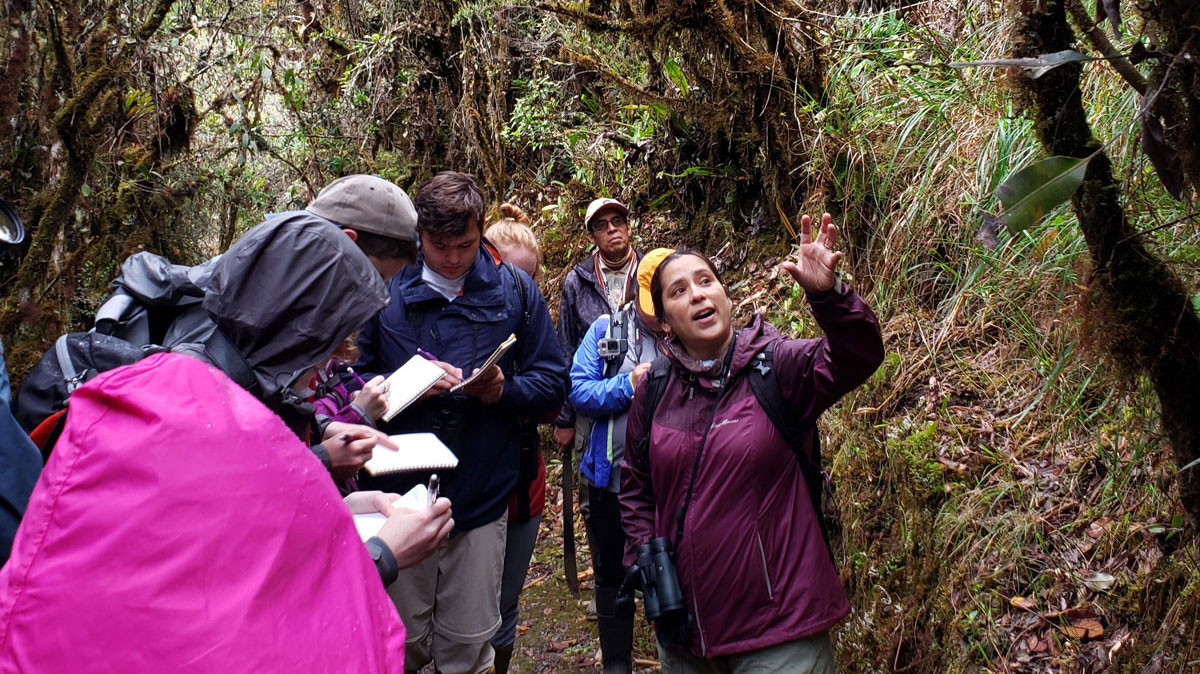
815, 268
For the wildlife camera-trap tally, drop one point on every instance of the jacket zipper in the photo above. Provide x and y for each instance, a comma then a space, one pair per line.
695, 598
762, 553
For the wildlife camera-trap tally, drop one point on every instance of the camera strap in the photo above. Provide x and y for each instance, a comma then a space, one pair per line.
725, 385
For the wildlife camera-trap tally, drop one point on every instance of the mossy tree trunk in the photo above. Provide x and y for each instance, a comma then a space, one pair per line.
88, 76
1151, 320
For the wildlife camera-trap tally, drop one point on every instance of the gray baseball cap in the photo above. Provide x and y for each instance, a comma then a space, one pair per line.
368, 204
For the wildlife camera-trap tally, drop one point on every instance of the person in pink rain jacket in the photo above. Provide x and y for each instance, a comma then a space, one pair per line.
181, 526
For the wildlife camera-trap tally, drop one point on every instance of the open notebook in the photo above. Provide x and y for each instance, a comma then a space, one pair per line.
418, 451
492, 360
408, 383
369, 524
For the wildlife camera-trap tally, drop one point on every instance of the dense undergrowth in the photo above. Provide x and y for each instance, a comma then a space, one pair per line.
1007, 499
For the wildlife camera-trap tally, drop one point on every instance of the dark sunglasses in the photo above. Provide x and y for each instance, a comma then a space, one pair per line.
618, 221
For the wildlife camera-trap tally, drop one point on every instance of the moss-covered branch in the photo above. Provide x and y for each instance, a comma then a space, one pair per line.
1150, 322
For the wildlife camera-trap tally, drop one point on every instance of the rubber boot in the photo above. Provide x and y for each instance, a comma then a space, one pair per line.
616, 632
503, 657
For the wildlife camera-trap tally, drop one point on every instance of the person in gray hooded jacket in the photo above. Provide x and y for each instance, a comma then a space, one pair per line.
283, 298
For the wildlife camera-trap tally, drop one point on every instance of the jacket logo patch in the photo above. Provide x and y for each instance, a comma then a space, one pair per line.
724, 422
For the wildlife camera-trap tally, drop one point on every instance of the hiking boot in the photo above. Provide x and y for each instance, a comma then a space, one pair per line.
503, 658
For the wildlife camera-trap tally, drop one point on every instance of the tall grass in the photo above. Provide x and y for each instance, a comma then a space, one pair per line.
995, 458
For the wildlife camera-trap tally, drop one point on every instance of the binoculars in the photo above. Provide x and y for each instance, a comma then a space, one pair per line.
655, 570
662, 597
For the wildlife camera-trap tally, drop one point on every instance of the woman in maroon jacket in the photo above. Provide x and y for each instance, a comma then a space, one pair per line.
757, 579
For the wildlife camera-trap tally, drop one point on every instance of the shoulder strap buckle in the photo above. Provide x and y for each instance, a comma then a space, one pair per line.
762, 363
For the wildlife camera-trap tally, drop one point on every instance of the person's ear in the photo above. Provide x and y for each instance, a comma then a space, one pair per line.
352, 234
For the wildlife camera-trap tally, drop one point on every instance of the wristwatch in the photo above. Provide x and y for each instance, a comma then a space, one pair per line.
385, 562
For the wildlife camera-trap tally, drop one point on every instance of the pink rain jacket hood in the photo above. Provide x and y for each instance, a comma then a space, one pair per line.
181, 527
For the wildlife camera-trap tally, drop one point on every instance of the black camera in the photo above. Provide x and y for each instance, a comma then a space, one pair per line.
611, 347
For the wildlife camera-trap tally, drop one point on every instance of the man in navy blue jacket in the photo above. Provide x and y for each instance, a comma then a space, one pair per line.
457, 304
20, 462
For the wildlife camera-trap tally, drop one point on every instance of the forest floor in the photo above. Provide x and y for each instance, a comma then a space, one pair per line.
554, 633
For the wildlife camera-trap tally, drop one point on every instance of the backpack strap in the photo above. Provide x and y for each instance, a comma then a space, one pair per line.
618, 328
521, 291
656, 386
62, 353
802, 438
634, 334
231, 361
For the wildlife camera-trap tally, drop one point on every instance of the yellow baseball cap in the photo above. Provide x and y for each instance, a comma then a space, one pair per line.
645, 271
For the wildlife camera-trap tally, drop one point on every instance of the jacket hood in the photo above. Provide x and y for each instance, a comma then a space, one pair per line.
289, 291
749, 340
180, 526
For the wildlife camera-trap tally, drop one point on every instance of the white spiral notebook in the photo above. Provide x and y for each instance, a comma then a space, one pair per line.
369, 524
408, 383
418, 451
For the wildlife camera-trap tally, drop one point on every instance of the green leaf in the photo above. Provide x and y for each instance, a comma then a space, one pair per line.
86, 190
1036, 66
1029, 194
675, 72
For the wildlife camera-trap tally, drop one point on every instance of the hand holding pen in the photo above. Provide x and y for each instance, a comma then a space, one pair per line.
452, 377
372, 397
350, 446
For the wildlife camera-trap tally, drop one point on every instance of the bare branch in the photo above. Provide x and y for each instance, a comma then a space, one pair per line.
1100, 41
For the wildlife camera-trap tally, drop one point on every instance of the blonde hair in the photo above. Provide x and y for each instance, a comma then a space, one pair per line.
347, 351
512, 230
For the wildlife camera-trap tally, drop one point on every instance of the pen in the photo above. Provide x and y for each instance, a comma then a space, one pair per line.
433, 489
426, 355
355, 375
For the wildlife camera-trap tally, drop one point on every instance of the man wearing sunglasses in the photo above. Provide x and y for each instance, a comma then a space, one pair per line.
601, 284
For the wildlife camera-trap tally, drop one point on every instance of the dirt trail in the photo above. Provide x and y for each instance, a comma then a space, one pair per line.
554, 633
